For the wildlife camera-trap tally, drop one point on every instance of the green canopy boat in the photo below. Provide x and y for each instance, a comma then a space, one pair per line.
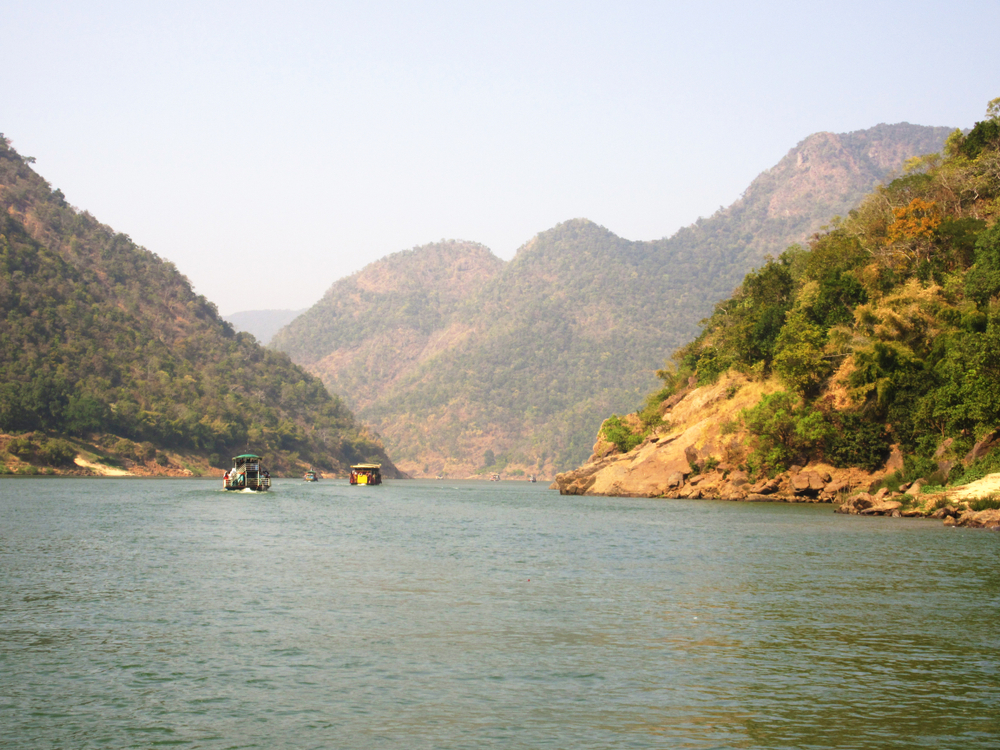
247, 475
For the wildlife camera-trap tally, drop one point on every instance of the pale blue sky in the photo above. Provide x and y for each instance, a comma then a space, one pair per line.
311, 138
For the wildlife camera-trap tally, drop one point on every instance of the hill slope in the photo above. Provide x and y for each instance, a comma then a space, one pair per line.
523, 364
871, 355
102, 339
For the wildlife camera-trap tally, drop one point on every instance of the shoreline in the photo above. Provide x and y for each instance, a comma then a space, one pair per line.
844, 489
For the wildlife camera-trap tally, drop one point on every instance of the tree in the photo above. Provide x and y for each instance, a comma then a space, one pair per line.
993, 109
800, 359
982, 282
782, 430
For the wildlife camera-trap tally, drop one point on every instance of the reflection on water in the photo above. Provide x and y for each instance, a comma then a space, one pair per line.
135, 613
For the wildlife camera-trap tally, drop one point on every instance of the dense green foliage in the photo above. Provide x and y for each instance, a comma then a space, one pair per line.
620, 434
542, 348
98, 335
896, 308
785, 430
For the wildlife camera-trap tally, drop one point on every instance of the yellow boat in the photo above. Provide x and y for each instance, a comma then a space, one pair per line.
366, 474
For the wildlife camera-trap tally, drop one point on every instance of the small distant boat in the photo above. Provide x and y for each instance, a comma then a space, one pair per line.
366, 474
531, 478
247, 475
311, 476
495, 478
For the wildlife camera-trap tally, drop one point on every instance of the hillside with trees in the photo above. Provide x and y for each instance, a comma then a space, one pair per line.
880, 338
105, 344
468, 364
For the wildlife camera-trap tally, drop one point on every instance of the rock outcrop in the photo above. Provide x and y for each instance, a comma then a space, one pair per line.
983, 519
698, 453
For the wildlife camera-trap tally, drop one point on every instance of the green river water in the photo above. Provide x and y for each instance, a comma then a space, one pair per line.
146, 613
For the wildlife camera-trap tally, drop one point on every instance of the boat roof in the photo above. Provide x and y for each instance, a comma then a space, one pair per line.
367, 466
247, 455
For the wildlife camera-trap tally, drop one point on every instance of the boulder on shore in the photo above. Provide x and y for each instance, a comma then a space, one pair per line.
948, 511
810, 483
982, 519
887, 508
856, 503
765, 487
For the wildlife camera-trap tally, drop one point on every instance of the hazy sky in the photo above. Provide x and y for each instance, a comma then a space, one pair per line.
290, 143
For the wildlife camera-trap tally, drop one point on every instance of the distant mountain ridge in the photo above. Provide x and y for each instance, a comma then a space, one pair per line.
463, 357
262, 324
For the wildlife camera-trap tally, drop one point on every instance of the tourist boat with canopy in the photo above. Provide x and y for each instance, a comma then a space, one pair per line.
247, 475
311, 476
366, 474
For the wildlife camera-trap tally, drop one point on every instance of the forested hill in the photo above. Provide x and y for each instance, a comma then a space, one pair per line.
385, 315
102, 340
884, 331
473, 364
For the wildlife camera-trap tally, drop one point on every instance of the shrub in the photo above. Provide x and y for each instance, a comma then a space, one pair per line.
22, 447
782, 431
985, 503
914, 468
940, 503
56, 453
650, 417
918, 467
619, 434
857, 441
889, 481
988, 464
125, 448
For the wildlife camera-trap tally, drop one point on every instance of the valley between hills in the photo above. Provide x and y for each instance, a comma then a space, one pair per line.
467, 365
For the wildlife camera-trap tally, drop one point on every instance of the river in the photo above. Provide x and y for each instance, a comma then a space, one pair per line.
143, 613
